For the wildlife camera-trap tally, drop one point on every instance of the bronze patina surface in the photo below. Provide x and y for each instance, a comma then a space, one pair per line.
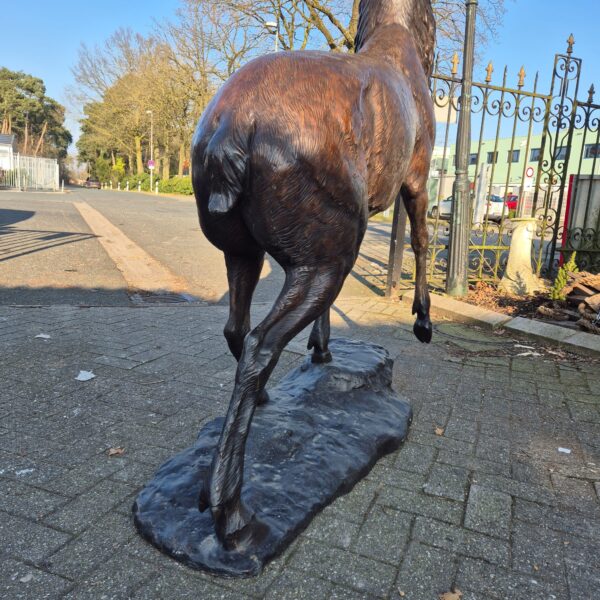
290, 158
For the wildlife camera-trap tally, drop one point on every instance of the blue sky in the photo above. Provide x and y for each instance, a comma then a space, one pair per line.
43, 36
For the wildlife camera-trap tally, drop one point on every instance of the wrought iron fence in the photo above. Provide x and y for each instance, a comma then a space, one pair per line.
532, 154
581, 233
30, 173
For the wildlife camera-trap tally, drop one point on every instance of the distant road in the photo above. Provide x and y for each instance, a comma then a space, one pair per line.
92, 247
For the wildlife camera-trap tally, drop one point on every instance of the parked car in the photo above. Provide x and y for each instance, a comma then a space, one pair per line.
495, 208
92, 183
443, 210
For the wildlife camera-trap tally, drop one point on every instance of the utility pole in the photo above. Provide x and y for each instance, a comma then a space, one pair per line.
151, 164
457, 283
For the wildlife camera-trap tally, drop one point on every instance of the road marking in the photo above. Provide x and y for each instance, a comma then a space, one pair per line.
140, 270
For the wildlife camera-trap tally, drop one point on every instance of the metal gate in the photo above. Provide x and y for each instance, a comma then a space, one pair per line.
30, 173
532, 154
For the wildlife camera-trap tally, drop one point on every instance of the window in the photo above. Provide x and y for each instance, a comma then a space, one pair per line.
514, 156
535, 154
592, 151
561, 153
472, 159
492, 158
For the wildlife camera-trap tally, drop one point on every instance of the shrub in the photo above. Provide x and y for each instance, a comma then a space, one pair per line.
176, 185
562, 278
133, 182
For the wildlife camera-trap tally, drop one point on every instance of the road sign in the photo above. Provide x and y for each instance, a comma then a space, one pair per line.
151, 164
529, 175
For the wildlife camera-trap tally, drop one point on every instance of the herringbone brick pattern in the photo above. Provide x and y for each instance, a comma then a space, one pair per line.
479, 498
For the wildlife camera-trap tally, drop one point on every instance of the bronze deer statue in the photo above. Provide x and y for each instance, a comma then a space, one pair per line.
291, 157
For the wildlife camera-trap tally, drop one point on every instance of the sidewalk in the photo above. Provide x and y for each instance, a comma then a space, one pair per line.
496, 492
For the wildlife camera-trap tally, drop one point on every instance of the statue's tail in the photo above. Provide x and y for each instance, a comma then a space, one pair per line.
224, 168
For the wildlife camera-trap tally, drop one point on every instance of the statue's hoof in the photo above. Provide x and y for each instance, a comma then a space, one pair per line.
320, 358
263, 397
423, 329
237, 527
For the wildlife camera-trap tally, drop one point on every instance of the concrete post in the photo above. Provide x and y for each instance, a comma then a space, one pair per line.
519, 278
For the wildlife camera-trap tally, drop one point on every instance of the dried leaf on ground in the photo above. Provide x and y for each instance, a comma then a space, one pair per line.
455, 595
116, 452
439, 431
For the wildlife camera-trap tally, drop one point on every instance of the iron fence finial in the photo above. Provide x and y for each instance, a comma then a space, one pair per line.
592, 93
455, 63
489, 70
522, 75
571, 42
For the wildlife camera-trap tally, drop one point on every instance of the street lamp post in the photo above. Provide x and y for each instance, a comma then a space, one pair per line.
151, 166
273, 29
458, 253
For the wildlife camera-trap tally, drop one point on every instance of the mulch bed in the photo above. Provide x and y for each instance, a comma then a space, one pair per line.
571, 313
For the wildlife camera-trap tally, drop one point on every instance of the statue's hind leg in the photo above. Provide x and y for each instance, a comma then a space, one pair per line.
416, 200
308, 292
318, 341
243, 273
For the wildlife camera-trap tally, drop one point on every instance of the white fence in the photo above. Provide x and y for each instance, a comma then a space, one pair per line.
30, 173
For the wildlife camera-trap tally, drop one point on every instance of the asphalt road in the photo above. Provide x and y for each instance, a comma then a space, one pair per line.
51, 254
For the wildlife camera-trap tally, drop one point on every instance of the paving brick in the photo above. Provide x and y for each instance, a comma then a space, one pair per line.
343, 567
173, 585
504, 419
297, 585
462, 541
87, 508
425, 573
355, 505
330, 529
473, 463
19, 581
577, 492
489, 512
27, 540
119, 577
415, 458
518, 489
447, 481
383, 535
420, 504
28, 501
93, 547
538, 551
570, 522
493, 449
483, 578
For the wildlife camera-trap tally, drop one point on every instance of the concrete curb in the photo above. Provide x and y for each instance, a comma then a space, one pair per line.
574, 341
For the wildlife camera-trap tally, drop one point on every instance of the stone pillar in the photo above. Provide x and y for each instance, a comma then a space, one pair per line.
519, 278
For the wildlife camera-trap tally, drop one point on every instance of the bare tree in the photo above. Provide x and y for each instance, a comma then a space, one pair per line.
332, 23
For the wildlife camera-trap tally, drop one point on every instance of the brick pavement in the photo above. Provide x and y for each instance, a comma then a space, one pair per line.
487, 503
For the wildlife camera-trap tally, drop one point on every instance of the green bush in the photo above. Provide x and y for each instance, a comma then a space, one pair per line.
133, 182
176, 185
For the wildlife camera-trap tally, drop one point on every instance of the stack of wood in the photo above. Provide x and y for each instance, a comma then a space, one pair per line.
582, 304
